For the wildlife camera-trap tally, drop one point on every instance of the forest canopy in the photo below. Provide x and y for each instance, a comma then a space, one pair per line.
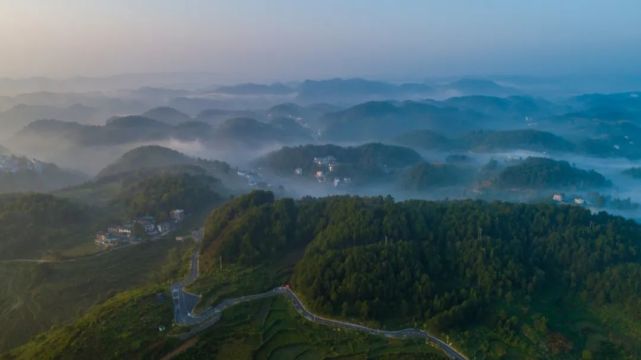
443, 264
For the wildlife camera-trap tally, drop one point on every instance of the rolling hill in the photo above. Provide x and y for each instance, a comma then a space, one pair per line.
251, 132
488, 141
482, 273
364, 164
152, 156
167, 115
383, 120
536, 172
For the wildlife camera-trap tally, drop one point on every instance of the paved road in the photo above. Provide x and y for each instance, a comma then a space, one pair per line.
184, 304
405, 333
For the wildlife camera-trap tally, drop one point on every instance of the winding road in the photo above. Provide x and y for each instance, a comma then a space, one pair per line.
185, 302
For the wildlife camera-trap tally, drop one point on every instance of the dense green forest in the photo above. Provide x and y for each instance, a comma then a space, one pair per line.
160, 194
448, 266
526, 139
424, 176
34, 225
366, 163
153, 156
535, 172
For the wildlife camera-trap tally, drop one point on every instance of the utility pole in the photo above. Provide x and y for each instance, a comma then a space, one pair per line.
220, 260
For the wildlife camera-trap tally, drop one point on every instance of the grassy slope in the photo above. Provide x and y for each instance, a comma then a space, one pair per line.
126, 326
37, 296
123, 326
271, 329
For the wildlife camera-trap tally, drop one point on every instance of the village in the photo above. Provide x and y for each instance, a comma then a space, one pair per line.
325, 168
139, 229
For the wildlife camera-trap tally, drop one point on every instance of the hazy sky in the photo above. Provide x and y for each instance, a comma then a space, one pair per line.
294, 39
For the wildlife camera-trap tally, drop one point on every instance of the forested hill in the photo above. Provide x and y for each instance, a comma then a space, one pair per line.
484, 270
164, 192
153, 156
364, 163
537, 172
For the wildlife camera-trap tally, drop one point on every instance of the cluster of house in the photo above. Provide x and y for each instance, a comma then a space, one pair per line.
562, 199
253, 179
117, 235
325, 167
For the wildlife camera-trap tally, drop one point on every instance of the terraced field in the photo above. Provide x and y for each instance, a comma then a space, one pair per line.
36, 296
271, 329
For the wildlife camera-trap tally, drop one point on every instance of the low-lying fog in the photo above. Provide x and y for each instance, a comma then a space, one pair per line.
275, 115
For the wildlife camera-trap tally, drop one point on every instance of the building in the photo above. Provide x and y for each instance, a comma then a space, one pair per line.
121, 230
298, 171
557, 197
148, 223
579, 201
177, 215
109, 240
164, 227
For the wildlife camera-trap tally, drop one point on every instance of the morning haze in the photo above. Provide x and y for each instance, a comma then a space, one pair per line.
320, 180
253, 40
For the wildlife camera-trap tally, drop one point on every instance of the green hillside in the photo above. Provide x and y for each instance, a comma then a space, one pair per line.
153, 156
535, 172
425, 176
364, 163
496, 277
266, 329
499, 280
35, 296
37, 225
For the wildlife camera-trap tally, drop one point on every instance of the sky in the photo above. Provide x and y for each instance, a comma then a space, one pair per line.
297, 39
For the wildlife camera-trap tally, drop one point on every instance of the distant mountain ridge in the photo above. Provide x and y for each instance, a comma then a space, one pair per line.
487, 141
255, 89
167, 115
382, 120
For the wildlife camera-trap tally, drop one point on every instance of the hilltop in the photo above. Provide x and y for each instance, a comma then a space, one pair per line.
383, 120
167, 115
363, 164
536, 172
479, 272
153, 156
488, 141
